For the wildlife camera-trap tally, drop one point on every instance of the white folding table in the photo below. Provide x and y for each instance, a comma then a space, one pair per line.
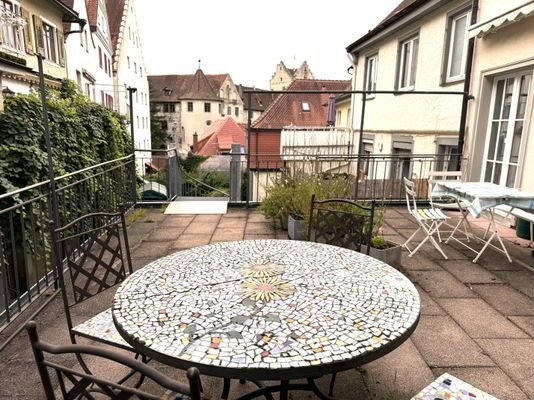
481, 198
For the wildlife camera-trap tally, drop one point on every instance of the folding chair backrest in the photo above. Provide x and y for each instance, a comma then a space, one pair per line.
411, 196
435, 177
96, 257
341, 222
75, 382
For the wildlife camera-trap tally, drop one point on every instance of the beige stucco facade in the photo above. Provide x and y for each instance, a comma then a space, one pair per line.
408, 122
507, 54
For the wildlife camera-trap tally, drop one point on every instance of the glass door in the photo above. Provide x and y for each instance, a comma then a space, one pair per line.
505, 128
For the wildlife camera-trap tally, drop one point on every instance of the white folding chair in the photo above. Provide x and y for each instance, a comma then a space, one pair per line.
428, 219
449, 202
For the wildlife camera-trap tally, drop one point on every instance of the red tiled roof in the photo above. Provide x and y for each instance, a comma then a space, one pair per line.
220, 136
115, 11
287, 108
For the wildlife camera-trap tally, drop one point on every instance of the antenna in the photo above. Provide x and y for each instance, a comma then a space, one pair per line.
199, 63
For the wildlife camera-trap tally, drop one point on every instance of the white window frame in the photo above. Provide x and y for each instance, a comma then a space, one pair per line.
407, 65
12, 28
450, 48
371, 64
48, 46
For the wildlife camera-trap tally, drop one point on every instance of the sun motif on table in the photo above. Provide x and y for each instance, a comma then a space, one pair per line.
261, 268
266, 288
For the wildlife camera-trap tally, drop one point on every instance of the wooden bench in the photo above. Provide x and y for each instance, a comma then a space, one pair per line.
450, 387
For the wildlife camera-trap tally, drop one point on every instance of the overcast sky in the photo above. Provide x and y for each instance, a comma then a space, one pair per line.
247, 38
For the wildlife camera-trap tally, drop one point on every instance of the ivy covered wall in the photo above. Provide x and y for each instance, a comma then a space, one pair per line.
82, 134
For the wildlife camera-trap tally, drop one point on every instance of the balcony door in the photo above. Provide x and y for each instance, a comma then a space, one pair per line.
505, 139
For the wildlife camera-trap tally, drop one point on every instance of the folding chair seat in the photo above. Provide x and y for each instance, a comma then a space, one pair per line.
429, 220
75, 382
95, 251
448, 202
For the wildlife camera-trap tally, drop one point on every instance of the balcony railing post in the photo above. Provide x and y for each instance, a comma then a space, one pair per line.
235, 173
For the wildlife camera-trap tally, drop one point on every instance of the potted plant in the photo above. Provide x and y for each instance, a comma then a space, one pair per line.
381, 248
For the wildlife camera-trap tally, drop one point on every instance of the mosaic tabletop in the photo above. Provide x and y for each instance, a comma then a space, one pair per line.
266, 309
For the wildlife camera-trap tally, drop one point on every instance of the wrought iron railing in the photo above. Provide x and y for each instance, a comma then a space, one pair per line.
26, 268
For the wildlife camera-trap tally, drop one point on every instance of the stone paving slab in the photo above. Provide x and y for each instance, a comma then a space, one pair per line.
442, 343
204, 228
176, 220
514, 357
398, 372
505, 299
473, 316
525, 323
259, 228
468, 272
491, 380
167, 234
419, 262
222, 234
440, 284
151, 249
522, 281
186, 241
428, 305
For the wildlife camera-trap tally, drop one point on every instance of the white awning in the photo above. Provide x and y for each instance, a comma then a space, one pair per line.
486, 27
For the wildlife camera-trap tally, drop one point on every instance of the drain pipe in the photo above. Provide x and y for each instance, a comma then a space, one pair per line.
467, 84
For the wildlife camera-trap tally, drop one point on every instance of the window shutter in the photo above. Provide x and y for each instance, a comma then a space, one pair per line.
39, 35
27, 29
61, 47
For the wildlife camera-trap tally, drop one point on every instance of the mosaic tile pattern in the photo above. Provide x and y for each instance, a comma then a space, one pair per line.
266, 304
448, 387
101, 328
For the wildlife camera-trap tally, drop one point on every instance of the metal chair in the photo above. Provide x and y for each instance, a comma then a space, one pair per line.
97, 259
428, 219
75, 382
342, 223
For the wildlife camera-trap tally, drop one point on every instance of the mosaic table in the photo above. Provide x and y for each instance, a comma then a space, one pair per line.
266, 309
448, 387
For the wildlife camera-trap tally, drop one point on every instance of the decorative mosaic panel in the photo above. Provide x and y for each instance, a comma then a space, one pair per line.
448, 387
101, 328
266, 304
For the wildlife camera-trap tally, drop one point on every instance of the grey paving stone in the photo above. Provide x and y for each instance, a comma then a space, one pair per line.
505, 299
525, 323
469, 272
170, 233
442, 343
428, 305
419, 262
151, 249
514, 357
200, 228
401, 371
479, 319
187, 241
440, 284
520, 280
491, 380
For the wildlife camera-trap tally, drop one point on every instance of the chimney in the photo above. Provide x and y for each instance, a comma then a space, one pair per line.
195, 142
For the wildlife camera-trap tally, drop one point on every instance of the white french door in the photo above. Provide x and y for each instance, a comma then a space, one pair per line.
507, 119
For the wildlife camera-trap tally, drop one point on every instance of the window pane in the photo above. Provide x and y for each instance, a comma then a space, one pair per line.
516, 142
458, 43
510, 178
523, 95
405, 64
497, 174
415, 49
508, 98
498, 100
500, 140
493, 140
489, 170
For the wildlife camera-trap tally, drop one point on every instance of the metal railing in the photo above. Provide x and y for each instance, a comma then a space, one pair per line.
372, 177
26, 268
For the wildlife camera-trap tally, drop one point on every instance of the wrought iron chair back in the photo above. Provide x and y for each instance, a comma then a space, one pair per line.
96, 251
77, 382
341, 222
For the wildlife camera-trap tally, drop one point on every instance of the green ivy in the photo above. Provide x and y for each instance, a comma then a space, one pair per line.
82, 134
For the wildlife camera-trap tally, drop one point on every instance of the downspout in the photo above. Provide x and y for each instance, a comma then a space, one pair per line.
467, 84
